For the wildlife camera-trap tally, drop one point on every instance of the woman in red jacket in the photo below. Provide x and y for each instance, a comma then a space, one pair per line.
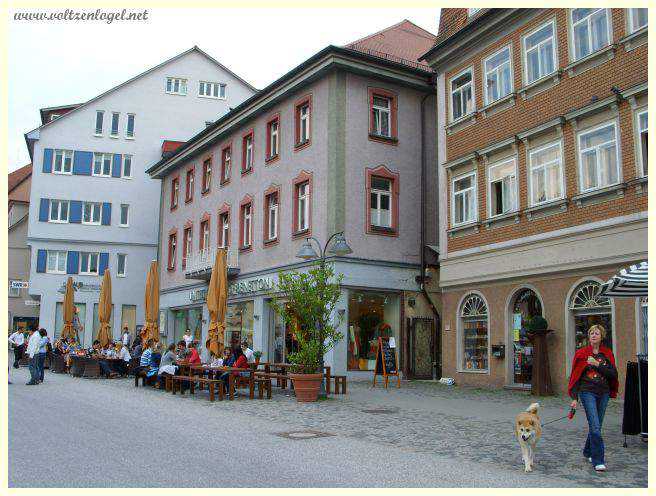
592, 382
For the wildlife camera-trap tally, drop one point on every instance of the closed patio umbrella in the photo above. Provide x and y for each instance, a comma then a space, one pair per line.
68, 331
151, 304
631, 282
217, 297
105, 310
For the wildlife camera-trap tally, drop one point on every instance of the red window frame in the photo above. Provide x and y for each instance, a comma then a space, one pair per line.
224, 211
246, 202
394, 137
268, 193
189, 191
244, 138
204, 221
225, 177
275, 119
173, 245
302, 178
306, 100
187, 231
207, 181
382, 172
175, 199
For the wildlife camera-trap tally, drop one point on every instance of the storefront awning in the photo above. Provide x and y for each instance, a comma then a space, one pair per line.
631, 282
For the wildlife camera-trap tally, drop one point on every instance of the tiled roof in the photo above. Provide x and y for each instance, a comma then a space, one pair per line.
404, 42
18, 176
169, 146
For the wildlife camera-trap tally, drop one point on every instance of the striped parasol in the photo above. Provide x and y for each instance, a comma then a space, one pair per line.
631, 282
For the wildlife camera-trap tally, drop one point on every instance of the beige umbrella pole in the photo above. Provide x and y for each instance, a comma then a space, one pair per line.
216, 303
105, 310
69, 311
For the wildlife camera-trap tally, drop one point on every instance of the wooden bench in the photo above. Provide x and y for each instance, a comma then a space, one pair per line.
58, 364
176, 383
211, 383
263, 385
281, 379
340, 383
91, 369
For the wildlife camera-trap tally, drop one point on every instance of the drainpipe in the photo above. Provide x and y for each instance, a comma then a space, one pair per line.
422, 248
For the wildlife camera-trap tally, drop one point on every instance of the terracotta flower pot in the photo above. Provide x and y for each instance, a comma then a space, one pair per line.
306, 386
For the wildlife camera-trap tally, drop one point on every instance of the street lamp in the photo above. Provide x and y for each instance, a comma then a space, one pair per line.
339, 248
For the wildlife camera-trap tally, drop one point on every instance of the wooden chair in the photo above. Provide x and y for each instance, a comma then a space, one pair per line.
340, 383
263, 385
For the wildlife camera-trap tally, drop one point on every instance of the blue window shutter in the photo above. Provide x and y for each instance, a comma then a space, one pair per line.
116, 165
106, 214
44, 206
72, 262
41, 258
47, 160
82, 163
75, 212
103, 263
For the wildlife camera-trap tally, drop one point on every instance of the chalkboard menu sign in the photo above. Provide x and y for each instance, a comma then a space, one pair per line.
386, 363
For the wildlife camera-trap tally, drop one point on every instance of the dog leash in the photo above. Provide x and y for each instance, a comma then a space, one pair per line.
570, 416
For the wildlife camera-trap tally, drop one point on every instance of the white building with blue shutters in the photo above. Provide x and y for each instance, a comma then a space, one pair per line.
92, 205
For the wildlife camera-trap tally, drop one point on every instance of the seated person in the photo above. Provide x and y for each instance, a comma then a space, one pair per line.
167, 365
215, 360
248, 353
125, 357
240, 361
155, 358
137, 348
194, 357
183, 352
144, 361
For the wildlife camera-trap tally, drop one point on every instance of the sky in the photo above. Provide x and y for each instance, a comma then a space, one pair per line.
54, 63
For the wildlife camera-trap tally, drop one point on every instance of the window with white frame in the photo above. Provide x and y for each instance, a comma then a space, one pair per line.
100, 115
127, 166
121, 262
474, 334
498, 76
248, 145
102, 164
463, 199
303, 206
540, 52
273, 138
204, 235
381, 109
590, 31
304, 123
224, 220
212, 90
272, 216
114, 130
89, 263
381, 202
58, 211
247, 217
129, 127
125, 215
462, 101
502, 187
598, 157
545, 174
63, 162
188, 247
56, 262
176, 86
638, 19
14, 292
91, 212
643, 141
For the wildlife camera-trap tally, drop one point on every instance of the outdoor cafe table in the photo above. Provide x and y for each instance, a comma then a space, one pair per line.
283, 368
203, 369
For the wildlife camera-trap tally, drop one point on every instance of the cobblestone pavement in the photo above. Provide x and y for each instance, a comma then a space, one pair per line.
472, 427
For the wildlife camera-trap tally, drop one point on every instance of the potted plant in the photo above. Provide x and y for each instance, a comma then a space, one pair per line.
306, 304
257, 355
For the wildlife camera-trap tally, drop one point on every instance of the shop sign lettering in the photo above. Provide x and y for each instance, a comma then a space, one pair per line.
252, 286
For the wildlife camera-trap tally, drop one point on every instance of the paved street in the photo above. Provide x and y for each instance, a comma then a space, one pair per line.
93, 433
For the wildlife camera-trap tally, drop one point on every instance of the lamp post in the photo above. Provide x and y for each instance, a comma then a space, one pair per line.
339, 248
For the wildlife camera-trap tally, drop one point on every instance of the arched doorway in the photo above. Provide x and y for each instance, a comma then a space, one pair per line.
588, 309
524, 305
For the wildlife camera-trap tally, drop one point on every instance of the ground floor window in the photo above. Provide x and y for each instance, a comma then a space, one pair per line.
588, 309
643, 345
188, 318
525, 306
129, 317
475, 334
240, 323
370, 315
59, 320
96, 322
283, 340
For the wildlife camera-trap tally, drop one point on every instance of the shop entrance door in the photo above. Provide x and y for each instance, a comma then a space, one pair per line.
524, 306
422, 348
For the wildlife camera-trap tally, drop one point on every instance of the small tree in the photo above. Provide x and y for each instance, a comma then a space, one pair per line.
306, 305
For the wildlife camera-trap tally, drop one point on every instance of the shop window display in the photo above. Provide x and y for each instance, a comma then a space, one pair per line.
588, 309
239, 323
526, 305
474, 318
188, 318
284, 342
370, 316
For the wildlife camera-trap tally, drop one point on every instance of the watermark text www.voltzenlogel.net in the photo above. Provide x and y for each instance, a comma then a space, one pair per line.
69, 15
